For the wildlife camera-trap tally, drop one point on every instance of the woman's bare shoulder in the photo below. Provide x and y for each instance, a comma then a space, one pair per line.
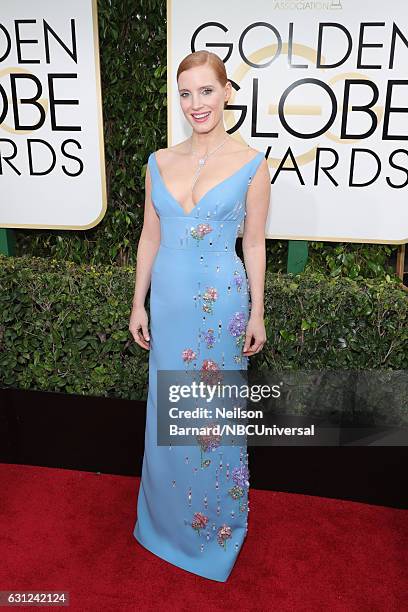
253, 152
169, 153
247, 151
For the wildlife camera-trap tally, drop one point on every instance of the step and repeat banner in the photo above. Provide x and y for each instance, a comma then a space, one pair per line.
52, 168
322, 89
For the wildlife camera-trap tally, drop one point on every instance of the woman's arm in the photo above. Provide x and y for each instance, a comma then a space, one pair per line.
148, 246
253, 246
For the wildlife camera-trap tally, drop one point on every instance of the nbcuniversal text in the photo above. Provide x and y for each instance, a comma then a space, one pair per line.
241, 430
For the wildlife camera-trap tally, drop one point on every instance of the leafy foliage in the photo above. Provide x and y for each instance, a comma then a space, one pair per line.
64, 327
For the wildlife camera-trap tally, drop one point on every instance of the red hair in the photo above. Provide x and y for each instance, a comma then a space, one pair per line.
200, 58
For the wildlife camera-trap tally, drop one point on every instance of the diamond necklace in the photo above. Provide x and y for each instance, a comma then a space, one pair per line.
203, 160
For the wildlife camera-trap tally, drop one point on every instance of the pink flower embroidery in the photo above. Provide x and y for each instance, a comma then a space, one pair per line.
210, 366
209, 297
210, 372
209, 442
223, 534
211, 294
199, 522
188, 355
201, 230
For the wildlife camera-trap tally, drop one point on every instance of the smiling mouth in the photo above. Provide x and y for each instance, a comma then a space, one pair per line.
200, 117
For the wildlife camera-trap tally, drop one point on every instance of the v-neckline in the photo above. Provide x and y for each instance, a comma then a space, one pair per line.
228, 178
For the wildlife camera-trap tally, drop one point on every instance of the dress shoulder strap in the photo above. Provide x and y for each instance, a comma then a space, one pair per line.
254, 165
151, 162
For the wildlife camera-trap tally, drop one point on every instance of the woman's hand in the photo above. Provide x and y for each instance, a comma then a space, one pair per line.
138, 326
255, 336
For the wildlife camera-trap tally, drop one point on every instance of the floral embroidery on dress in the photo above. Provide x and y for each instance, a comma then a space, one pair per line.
210, 372
209, 338
238, 280
237, 327
200, 521
223, 534
240, 476
236, 492
201, 230
210, 366
209, 297
208, 443
188, 355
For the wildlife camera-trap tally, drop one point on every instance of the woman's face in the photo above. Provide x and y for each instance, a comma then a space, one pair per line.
202, 97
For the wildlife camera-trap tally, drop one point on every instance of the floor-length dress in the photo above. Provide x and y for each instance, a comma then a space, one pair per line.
192, 507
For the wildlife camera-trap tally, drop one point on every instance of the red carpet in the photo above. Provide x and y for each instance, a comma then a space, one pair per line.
72, 531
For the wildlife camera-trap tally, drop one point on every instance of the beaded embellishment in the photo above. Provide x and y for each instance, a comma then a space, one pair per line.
237, 327
201, 230
238, 280
223, 534
199, 522
208, 443
209, 297
188, 355
209, 338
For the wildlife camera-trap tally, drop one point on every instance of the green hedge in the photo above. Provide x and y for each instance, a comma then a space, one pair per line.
64, 327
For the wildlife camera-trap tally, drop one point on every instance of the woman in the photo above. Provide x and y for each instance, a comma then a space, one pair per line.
193, 500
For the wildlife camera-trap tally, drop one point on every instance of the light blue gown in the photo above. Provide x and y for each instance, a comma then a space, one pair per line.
192, 507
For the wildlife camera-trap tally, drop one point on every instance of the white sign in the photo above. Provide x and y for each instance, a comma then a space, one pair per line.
322, 89
52, 168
